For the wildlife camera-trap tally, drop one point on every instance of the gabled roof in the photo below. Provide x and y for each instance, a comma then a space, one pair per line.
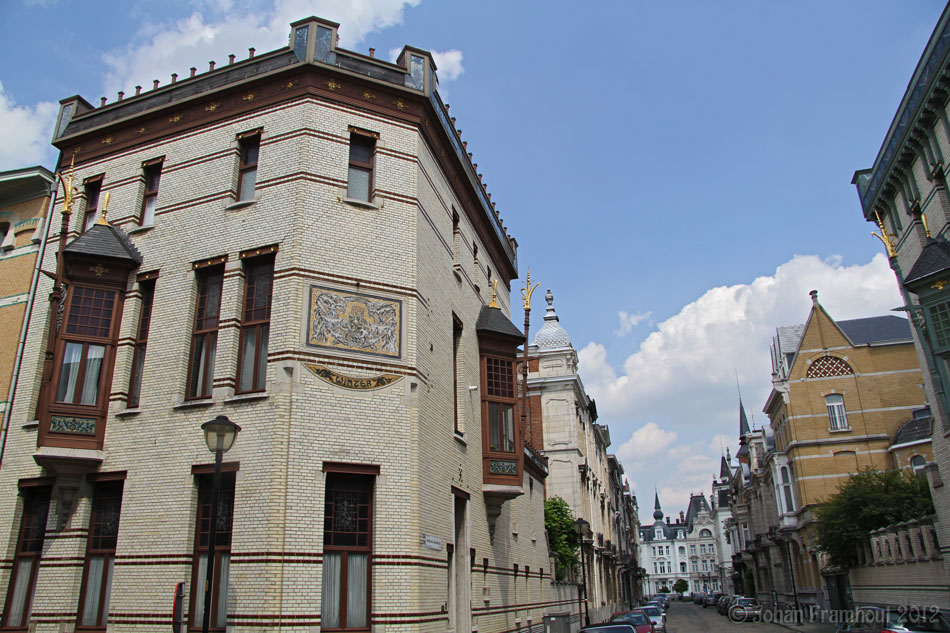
880, 329
105, 240
933, 260
494, 320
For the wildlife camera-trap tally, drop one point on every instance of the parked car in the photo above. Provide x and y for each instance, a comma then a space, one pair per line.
609, 627
698, 597
656, 615
711, 599
909, 619
638, 619
723, 605
745, 610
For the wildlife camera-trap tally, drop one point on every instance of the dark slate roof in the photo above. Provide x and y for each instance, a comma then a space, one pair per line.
697, 503
743, 421
934, 259
743, 450
724, 471
669, 531
105, 240
913, 430
876, 329
494, 320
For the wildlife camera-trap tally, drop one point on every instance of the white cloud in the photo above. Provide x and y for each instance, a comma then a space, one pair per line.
681, 382
26, 132
630, 321
449, 64
158, 51
647, 441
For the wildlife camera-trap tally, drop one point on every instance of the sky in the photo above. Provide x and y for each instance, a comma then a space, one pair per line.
677, 172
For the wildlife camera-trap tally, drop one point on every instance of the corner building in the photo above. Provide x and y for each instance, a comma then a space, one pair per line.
300, 242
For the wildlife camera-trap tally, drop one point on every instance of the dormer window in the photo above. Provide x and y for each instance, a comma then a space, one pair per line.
659, 534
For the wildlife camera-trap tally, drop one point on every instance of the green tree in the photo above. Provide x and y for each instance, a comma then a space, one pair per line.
562, 535
680, 586
663, 589
868, 500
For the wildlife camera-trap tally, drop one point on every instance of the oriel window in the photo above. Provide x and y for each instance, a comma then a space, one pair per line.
147, 290
255, 323
359, 184
500, 402
204, 341
152, 172
88, 333
26, 559
249, 146
100, 555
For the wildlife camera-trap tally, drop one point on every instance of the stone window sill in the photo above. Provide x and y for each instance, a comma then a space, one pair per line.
460, 438
240, 204
127, 412
141, 229
194, 404
847, 429
32, 424
247, 397
356, 202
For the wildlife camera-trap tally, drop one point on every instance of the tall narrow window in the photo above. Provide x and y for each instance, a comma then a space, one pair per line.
27, 557
152, 171
222, 551
88, 333
500, 395
836, 413
92, 188
147, 290
100, 555
456, 238
249, 146
347, 545
456, 350
255, 323
359, 184
787, 490
205, 338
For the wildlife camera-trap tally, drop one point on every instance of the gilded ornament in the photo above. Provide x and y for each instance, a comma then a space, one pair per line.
211, 107
174, 118
884, 237
399, 103
494, 295
99, 269
332, 85
107, 140
368, 95
528, 290
923, 218
105, 209
141, 130
290, 84
69, 192
249, 96
939, 284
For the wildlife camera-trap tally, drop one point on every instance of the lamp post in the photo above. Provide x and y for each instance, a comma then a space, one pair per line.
220, 434
581, 526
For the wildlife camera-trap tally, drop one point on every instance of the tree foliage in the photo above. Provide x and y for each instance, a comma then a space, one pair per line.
867, 501
680, 586
562, 535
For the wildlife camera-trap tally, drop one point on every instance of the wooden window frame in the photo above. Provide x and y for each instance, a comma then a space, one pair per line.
489, 398
840, 412
36, 500
206, 337
204, 481
255, 269
105, 489
147, 290
362, 137
352, 479
152, 176
247, 142
90, 186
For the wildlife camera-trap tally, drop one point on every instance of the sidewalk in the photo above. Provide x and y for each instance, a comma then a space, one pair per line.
808, 627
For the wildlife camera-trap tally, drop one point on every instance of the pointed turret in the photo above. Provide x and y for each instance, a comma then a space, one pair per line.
743, 431
724, 471
657, 512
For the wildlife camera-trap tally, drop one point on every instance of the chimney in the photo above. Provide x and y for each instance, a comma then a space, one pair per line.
193, 71
210, 66
138, 90
372, 52
814, 297
102, 101
231, 58
121, 95
250, 52
174, 77
155, 84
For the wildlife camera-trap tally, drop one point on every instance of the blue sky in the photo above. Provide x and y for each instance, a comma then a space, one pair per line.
677, 172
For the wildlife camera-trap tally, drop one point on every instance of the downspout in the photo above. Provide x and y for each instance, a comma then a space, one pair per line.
25, 326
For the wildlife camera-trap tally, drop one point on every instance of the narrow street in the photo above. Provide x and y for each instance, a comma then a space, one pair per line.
688, 617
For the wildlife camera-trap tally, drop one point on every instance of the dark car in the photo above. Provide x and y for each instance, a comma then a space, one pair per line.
698, 597
711, 599
724, 603
638, 619
906, 620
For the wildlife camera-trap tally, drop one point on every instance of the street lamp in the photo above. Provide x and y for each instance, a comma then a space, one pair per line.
220, 434
582, 526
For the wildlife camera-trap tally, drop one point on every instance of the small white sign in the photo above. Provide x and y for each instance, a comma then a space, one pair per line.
433, 542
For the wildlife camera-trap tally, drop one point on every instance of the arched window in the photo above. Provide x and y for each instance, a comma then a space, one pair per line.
828, 366
917, 462
787, 490
704, 533
683, 567
836, 414
682, 551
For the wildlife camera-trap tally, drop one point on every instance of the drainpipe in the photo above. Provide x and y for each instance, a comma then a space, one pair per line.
25, 326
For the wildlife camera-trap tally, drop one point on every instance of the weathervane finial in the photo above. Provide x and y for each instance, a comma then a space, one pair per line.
69, 192
105, 208
883, 236
494, 295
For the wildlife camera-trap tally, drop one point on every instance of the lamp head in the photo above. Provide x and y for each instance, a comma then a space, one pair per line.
220, 433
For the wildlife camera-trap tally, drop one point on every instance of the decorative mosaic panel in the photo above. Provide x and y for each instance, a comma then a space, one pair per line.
77, 426
828, 366
496, 467
354, 322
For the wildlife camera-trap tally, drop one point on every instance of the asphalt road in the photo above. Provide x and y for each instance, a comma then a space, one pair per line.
688, 617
